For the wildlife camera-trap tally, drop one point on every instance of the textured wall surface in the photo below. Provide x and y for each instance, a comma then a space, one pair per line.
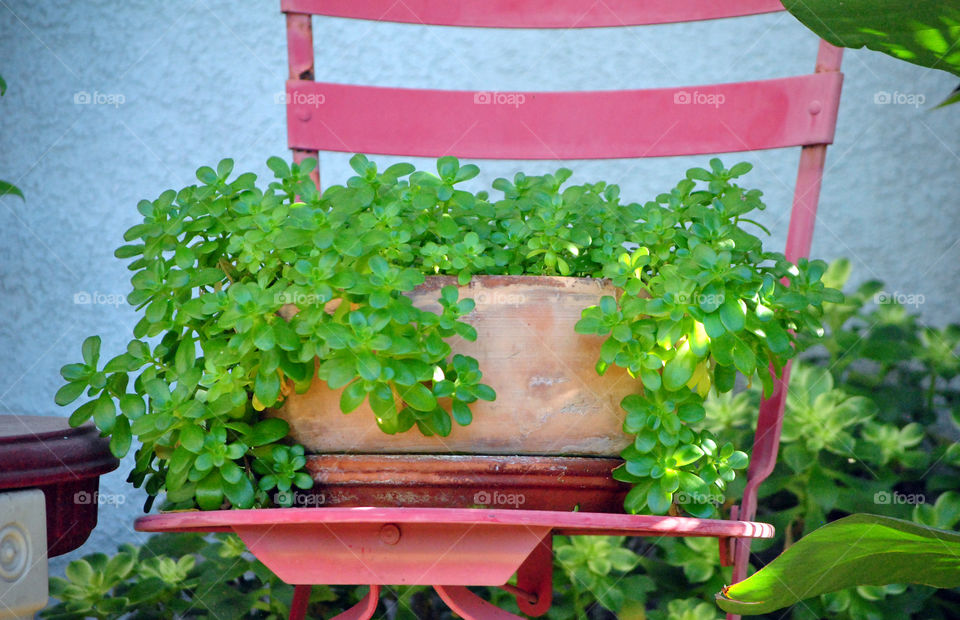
176, 85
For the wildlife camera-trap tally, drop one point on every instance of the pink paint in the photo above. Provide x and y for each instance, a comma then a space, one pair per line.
447, 548
660, 122
532, 13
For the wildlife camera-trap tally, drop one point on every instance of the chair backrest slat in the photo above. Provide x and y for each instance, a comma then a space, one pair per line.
533, 13
742, 116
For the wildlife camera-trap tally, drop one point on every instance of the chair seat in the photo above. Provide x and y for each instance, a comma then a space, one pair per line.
420, 546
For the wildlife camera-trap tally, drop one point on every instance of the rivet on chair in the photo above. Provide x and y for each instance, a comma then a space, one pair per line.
390, 534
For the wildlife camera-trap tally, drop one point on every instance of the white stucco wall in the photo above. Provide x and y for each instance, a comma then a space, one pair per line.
198, 82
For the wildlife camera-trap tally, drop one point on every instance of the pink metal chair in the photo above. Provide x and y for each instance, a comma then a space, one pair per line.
486, 547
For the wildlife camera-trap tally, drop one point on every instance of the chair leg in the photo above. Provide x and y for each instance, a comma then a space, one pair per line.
301, 597
470, 606
363, 610
535, 575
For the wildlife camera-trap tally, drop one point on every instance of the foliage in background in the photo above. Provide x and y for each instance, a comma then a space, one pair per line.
923, 32
182, 576
859, 550
5, 187
218, 265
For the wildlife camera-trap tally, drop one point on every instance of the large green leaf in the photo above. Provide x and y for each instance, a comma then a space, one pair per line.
9, 188
924, 32
858, 550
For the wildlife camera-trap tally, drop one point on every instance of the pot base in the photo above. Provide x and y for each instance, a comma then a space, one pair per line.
464, 481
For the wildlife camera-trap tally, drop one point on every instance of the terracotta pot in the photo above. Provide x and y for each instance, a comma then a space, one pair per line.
464, 481
550, 399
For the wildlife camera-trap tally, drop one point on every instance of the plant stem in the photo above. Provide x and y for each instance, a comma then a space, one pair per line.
225, 265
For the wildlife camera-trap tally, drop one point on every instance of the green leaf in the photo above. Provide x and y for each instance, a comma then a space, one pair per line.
923, 32
69, 393
382, 401
621, 333
105, 413
191, 438
79, 572
224, 168
777, 338
120, 566
447, 167
158, 391
74, 372
466, 173
266, 432
368, 365
266, 387
359, 163
679, 370
186, 355
636, 498
699, 341
240, 493
418, 397
691, 412
10, 189
205, 174
952, 98
461, 413
741, 169
91, 351
132, 406
337, 372
121, 438
263, 337
352, 396
724, 378
687, 454
659, 500
210, 491
733, 314
82, 413
858, 550
698, 174
738, 460
279, 167
713, 325
121, 363
744, 358
484, 392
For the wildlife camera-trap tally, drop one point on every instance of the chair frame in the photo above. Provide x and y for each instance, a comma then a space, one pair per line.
809, 104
